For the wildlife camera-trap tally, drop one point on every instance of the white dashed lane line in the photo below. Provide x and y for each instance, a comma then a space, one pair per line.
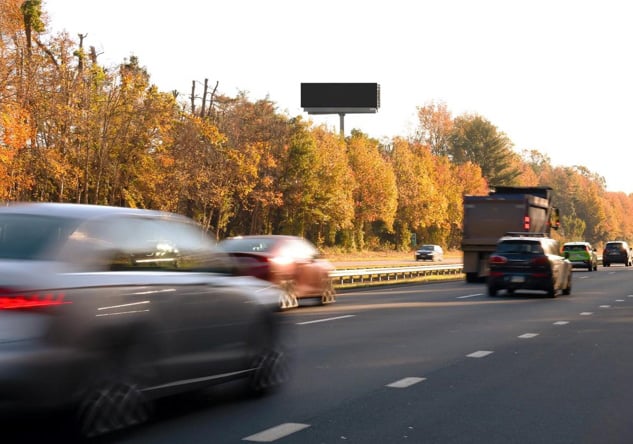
528, 335
316, 321
561, 322
605, 306
480, 354
586, 313
470, 296
277, 432
406, 382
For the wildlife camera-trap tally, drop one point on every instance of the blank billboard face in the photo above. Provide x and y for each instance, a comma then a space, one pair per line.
340, 95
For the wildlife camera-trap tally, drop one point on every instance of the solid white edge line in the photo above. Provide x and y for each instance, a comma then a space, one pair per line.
277, 432
406, 382
325, 320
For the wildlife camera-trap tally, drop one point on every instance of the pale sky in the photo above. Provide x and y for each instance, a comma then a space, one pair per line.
554, 75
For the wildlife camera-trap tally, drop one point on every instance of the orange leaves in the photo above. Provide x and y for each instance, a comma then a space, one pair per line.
15, 126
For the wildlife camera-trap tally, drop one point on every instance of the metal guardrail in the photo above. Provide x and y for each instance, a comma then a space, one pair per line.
373, 275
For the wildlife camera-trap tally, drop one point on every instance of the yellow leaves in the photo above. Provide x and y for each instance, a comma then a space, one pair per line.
15, 127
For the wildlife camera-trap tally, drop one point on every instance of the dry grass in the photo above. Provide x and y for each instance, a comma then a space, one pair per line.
378, 256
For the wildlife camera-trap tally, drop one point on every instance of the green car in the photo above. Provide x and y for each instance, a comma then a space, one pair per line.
581, 255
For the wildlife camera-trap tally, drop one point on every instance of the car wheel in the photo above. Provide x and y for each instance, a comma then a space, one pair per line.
567, 289
288, 297
492, 291
551, 291
328, 296
591, 268
605, 264
112, 401
270, 364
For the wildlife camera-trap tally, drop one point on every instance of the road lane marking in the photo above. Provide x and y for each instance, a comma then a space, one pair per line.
480, 354
406, 382
605, 306
619, 300
528, 335
586, 313
277, 432
325, 320
561, 322
470, 296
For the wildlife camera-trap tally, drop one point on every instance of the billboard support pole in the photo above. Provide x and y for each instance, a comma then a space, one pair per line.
342, 124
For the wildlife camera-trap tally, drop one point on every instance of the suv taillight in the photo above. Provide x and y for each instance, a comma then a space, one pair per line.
10, 300
497, 260
540, 260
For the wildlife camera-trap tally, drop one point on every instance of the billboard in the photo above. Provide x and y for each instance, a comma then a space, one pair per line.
329, 98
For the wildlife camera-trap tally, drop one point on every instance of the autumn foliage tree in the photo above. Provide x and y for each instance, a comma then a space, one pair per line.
74, 130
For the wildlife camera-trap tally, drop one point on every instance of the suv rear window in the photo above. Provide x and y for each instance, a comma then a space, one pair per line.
614, 246
575, 248
519, 246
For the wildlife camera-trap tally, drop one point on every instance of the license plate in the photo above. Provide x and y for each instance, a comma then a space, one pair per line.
517, 279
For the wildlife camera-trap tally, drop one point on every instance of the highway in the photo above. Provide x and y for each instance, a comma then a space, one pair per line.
431, 363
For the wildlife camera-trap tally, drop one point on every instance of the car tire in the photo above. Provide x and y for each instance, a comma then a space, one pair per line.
567, 289
270, 362
551, 291
605, 264
328, 295
288, 298
492, 291
112, 400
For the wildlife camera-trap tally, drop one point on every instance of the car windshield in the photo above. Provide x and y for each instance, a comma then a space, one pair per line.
29, 237
519, 247
427, 248
245, 245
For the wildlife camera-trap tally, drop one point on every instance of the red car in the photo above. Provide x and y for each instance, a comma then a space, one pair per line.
291, 262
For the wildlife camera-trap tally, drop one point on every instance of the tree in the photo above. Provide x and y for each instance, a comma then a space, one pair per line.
435, 126
475, 139
421, 199
333, 209
375, 197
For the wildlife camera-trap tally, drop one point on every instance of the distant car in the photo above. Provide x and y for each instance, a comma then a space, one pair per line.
528, 262
103, 310
292, 262
429, 252
616, 252
581, 255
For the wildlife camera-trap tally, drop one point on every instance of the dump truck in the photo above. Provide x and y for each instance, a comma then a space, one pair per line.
504, 210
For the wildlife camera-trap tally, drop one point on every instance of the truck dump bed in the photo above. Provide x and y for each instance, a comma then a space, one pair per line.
487, 218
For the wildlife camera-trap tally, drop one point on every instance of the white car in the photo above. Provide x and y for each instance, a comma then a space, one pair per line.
429, 252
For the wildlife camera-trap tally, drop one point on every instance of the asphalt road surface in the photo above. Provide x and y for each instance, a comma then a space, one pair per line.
429, 363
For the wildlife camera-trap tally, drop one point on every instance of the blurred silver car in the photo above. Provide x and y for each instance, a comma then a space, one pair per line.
106, 309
